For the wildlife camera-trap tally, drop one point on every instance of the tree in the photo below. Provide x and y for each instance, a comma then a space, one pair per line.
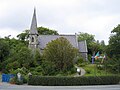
103, 46
46, 31
23, 36
113, 50
41, 31
25, 57
114, 42
85, 36
37, 58
92, 45
60, 54
4, 49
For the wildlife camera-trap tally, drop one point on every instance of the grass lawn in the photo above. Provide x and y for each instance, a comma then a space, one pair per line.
92, 70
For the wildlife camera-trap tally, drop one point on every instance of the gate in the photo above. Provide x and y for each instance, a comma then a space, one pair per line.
7, 77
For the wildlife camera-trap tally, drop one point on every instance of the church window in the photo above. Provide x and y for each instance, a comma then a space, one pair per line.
32, 39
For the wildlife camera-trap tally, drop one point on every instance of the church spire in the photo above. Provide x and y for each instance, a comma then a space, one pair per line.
33, 28
33, 35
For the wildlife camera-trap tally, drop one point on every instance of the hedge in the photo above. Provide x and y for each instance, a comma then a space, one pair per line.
72, 81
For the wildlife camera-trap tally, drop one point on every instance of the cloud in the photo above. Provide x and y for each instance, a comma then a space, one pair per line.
96, 17
8, 31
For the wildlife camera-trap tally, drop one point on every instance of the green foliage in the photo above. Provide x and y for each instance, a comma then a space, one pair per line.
113, 65
23, 36
59, 54
23, 71
41, 30
85, 36
113, 51
96, 70
14, 80
4, 49
36, 70
21, 58
80, 61
92, 45
37, 58
114, 43
25, 57
48, 68
71, 81
46, 31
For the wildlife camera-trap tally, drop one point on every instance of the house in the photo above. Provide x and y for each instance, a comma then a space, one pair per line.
40, 41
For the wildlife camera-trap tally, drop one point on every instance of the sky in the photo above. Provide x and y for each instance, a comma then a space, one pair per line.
96, 17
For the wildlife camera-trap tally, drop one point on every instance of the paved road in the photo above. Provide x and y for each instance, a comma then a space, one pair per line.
4, 86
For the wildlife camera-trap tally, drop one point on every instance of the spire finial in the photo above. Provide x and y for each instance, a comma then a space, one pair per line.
34, 9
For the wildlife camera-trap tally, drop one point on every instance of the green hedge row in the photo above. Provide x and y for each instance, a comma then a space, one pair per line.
72, 81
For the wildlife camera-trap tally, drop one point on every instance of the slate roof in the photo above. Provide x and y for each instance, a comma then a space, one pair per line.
44, 39
82, 45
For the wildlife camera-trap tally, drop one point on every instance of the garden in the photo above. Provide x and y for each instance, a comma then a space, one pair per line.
56, 65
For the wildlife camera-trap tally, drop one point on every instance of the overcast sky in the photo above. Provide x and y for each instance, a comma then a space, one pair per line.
97, 17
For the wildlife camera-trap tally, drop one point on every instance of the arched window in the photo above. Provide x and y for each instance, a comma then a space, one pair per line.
32, 39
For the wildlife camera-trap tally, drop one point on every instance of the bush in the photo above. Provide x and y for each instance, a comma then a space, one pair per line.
72, 81
59, 54
15, 80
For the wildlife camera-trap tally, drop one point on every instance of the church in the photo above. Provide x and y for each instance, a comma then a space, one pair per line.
40, 41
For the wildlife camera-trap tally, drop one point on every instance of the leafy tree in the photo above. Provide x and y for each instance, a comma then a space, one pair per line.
4, 49
113, 64
23, 36
92, 45
89, 39
41, 30
114, 42
103, 46
25, 57
19, 59
113, 50
59, 54
46, 31
85, 36
102, 43
37, 58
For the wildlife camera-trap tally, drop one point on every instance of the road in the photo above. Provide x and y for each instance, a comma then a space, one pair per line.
4, 86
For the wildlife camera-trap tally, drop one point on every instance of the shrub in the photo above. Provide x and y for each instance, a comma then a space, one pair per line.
71, 81
60, 54
24, 75
15, 80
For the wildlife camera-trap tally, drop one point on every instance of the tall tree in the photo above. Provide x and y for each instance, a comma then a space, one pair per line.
85, 36
113, 50
60, 53
46, 31
23, 36
4, 49
91, 44
114, 42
